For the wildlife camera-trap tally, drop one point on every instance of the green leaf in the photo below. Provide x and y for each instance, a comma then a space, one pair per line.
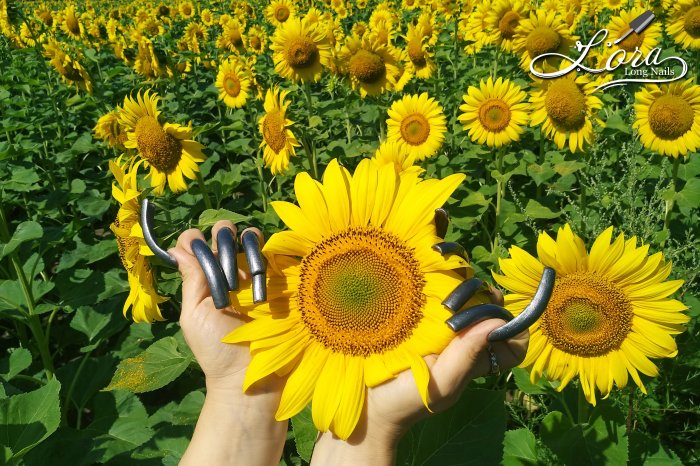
154, 368
601, 441
536, 210
93, 204
66, 447
647, 451
615, 122
522, 380
77, 186
520, 448
26, 231
689, 197
469, 433
540, 173
28, 418
568, 167
210, 216
22, 180
184, 414
17, 361
89, 322
304, 433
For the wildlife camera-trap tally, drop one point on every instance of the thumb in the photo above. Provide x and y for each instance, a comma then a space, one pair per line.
195, 287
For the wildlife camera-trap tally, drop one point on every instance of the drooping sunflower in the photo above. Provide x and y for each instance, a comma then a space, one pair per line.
278, 12
166, 149
668, 117
110, 130
44, 13
233, 82
364, 302
420, 58
417, 123
278, 140
391, 152
609, 312
566, 108
683, 23
495, 113
143, 300
370, 67
619, 25
231, 37
71, 23
300, 51
70, 69
503, 19
543, 32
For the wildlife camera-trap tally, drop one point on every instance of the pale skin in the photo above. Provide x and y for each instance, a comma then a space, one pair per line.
240, 428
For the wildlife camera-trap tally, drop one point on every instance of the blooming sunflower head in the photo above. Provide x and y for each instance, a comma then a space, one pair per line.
417, 123
619, 25
420, 58
278, 141
544, 32
495, 113
503, 20
684, 24
279, 12
255, 40
370, 66
300, 51
110, 130
233, 82
668, 117
356, 295
391, 152
608, 314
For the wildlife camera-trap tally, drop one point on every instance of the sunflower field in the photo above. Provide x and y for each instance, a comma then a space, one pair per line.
337, 128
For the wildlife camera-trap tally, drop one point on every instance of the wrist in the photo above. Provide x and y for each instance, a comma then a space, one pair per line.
368, 445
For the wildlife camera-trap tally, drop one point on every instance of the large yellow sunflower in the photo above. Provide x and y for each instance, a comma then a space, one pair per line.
619, 25
300, 51
417, 123
683, 24
566, 108
668, 117
357, 294
503, 19
143, 300
278, 141
278, 12
167, 149
609, 312
233, 82
543, 32
494, 113
370, 67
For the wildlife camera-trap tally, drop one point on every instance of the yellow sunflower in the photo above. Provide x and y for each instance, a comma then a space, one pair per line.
619, 25
43, 12
474, 28
495, 113
668, 117
255, 40
71, 23
356, 296
417, 123
566, 108
420, 59
110, 130
609, 311
683, 24
503, 19
207, 17
143, 300
278, 12
186, 10
70, 69
231, 37
370, 67
391, 152
167, 149
233, 82
543, 32
300, 51
614, 5
278, 140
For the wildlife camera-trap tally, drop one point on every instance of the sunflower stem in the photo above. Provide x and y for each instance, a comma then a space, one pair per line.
203, 189
582, 408
309, 145
500, 192
672, 202
261, 176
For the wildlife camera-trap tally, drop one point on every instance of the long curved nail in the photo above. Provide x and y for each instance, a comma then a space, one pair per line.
448, 248
259, 288
463, 293
212, 271
532, 311
228, 249
475, 314
442, 220
256, 265
147, 214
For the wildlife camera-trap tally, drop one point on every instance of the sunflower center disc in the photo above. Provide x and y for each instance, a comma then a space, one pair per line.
302, 53
587, 315
72, 24
692, 22
542, 40
632, 41
361, 291
367, 67
670, 116
273, 131
255, 42
416, 54
415, 129
232, 85
494, 115
161, 149
282, 13
565, 105
508, 23
234, 36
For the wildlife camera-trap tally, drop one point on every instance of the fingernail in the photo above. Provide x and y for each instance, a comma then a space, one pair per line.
147, 214
212, 272
259, 288
463, 293
227, 247
449, 248
251, 247
442, 221
471, 316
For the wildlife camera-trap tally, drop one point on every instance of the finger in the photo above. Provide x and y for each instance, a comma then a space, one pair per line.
224, 243
496, 296
194, 283
256, 264
463, 293
215, 232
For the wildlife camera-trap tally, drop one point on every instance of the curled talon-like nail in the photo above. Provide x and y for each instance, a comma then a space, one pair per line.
228, 249
463, 293
449, 248
532, 311
213, 273
147, 214
475, 314
256, 265
442, 220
